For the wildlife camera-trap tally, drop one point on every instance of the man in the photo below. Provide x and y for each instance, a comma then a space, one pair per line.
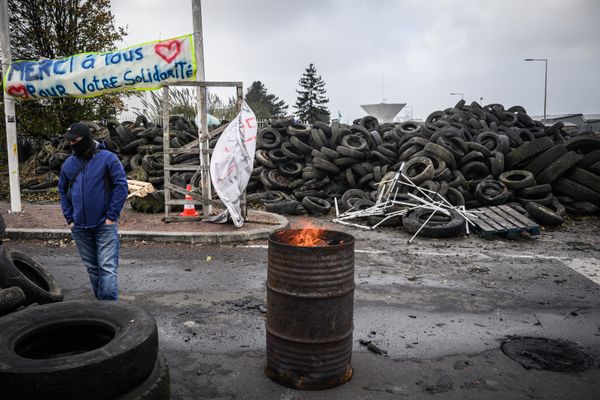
93, 190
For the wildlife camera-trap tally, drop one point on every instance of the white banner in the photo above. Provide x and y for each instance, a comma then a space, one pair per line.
232, 162
143, 67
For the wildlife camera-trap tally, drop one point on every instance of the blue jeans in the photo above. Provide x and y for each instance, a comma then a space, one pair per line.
99, 251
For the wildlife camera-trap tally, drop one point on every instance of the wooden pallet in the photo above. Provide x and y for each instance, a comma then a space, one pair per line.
139, 188
503, 221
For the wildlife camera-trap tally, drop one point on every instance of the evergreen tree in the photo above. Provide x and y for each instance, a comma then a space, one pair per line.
311, 104
263, 104
55, 29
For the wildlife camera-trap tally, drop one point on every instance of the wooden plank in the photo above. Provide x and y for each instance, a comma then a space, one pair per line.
205, 83
181, 150
483, 216
502, 218
182, 167
517, 215
482, 225
509, 217
491, 216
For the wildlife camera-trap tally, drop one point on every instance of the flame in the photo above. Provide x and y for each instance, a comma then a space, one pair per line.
307, 235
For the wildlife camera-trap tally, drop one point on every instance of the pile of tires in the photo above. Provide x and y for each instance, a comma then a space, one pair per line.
75, 350
23, 280
139, 146
461, 153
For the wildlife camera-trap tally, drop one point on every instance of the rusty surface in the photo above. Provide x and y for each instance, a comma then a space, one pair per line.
310, 298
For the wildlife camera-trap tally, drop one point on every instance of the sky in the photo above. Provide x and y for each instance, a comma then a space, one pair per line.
412, 51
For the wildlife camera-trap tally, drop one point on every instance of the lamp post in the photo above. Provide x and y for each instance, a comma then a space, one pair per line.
458, 94
545, 60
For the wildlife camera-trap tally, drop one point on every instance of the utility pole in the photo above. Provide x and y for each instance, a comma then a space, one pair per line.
9, 115
203, 137
545, 60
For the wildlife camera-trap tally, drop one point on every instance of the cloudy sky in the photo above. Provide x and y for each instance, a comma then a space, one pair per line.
409, 51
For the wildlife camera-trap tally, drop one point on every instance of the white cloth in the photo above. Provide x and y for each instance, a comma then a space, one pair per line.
232, 162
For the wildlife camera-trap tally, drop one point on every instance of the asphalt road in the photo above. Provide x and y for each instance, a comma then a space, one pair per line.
440, 308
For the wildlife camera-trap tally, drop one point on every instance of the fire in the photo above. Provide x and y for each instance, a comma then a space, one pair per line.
307, 235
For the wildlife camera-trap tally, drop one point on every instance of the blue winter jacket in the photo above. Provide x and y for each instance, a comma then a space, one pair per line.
98, 192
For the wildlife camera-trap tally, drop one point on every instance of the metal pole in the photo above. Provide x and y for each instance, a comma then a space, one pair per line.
9, 115
545, 87
545, 60
203, 136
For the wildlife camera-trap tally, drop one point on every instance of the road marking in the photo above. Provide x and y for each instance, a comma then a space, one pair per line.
588, 267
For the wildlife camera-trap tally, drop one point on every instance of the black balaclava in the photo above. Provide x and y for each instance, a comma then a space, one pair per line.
85, 147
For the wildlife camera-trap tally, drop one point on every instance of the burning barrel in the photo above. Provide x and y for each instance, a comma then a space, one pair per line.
310, 301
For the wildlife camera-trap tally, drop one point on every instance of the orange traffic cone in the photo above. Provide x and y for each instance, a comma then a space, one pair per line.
188, 209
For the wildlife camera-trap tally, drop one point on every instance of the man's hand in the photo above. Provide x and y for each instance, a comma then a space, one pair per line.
109, 222
71, 225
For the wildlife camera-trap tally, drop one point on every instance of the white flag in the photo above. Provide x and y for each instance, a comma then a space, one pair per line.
232, 162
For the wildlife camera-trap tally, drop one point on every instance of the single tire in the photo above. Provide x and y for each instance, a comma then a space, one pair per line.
76, 350
441, 153
528, 151
474, 170
590, 158
542, 161
419, 169
439, 226
351, 153
316, 205
19, 269
535, 191
543, 215
455, 197
10, 299
157, 386
300, 145
326, 166
388, 223
585, 178
268, 138
543, 200
517, 179
492, 193
345, 161
355, 142
582, 208
285, 207
262, 156
559, 167
291, 168
291, 152
576, 191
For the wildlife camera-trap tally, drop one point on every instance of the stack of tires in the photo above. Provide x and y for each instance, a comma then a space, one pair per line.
82, 350
460, 153
72, 350
23, 280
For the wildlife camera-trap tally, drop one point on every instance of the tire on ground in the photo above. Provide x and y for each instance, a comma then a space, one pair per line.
316, 205
76, 350
543, 215
19, 269
10, 299
157, 386
439, 226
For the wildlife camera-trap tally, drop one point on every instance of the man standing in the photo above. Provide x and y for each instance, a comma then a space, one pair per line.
93, 190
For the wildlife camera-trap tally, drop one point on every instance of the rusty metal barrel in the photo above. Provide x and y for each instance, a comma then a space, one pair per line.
310, 302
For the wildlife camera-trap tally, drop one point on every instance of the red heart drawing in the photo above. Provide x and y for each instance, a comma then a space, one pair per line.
17, 91
168, 50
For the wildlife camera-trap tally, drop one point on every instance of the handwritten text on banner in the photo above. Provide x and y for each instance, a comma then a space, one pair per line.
142, 67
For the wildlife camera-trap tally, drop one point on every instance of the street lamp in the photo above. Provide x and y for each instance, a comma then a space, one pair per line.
545, 60
458, 94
